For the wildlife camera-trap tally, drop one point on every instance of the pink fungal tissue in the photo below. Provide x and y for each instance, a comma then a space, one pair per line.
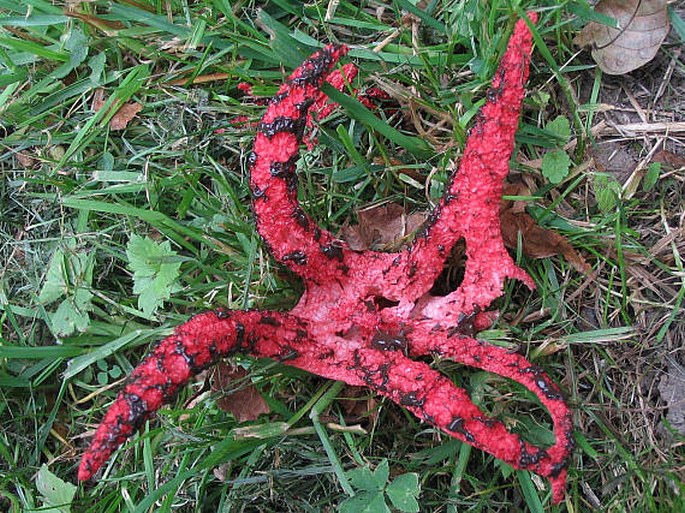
366, 317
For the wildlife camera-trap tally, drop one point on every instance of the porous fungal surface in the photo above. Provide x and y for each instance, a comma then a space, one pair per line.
366, 316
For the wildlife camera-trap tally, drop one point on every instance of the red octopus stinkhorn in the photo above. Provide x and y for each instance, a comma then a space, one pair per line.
365, 316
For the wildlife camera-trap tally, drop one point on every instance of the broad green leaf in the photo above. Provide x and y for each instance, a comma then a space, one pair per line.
77, 45
607, 191
561, 127
102, 378
55, 286
69, 276
403, 492
97, 68
652, 176
72, 314
382, 473
363, 479
155, 271
555, 166
57, 495
365, 502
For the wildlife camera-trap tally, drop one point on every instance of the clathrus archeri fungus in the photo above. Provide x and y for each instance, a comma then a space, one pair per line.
366, 316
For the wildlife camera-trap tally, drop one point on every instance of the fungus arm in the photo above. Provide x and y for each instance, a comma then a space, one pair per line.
293, 238
193, 346
413, 385
469, 208
508, 364
435, 399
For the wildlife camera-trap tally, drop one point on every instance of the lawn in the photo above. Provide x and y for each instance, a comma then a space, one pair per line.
125, 132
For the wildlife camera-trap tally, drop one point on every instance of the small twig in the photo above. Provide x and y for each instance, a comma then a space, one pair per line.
634, 129
667, 75
201, 79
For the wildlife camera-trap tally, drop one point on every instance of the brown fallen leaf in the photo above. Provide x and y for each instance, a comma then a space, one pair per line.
382, 227
109, 28
26, 160
642, 27
669, 158
358, 405
537, 242
386, 227
122, 117
244, 403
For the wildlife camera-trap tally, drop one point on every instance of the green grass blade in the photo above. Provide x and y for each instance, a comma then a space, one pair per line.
417, 147
84, 361
130, 85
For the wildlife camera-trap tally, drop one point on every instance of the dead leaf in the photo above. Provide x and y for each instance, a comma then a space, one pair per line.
669, 158
672, 390
122, 117
358, 405
385, 227
109, 28
642, 27
26, 160
382, 227
244, 403
537, 242
223, 471
614, 157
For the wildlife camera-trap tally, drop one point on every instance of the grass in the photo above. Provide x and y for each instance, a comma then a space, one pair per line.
73, 191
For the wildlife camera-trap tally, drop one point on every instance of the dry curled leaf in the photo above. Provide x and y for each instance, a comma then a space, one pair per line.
382, 227
122, 117
672, 160
244, 402
642, 27
537, 242
386, 226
